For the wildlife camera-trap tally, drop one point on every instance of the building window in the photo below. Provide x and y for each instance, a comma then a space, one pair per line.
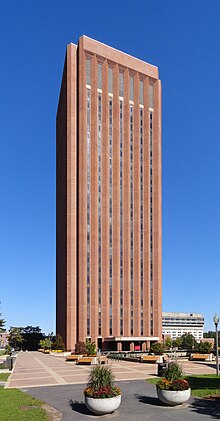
131, 211
110, 80
110, 213
121, 213
88, 71
141, 216
88, 208
151, 220
99, 76
151, 94
141, 92
99, 202
121, 84
131, 88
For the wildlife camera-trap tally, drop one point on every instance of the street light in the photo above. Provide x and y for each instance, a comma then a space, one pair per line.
216, 322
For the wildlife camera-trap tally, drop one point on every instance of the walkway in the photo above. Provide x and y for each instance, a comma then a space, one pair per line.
34, 369
139, 403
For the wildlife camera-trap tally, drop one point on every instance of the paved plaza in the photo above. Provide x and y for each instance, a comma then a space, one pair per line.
60, 384
33, 369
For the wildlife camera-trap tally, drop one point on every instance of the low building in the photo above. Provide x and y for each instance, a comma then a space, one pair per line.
177, 324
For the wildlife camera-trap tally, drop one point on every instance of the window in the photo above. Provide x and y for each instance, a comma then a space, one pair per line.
110, 80
131, 88
99, 76
88, 71
121, 84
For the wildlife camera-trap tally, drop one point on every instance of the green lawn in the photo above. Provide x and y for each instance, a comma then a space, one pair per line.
4, 376
202, 386
17, 405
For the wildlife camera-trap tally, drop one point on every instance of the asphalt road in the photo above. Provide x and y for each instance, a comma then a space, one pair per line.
139, 402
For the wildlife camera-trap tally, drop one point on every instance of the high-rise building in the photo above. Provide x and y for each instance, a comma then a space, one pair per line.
108, 199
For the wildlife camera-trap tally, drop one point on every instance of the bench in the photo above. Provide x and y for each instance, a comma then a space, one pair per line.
199, 357
151, 359
84, 360
72, 357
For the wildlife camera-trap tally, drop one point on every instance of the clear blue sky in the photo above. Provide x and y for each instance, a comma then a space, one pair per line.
182, 38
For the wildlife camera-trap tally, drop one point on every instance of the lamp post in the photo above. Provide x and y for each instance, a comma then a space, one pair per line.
216, 322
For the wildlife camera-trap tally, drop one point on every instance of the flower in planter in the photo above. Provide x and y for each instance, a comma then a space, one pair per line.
172, 389
101, 383
179, 384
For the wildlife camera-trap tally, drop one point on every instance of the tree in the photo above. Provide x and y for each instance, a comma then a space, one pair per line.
176, 343
204, 347
168, 342
188, 341
2, 323
157, 348
45, 343
58, 342
80, 348
32, 336
15, 337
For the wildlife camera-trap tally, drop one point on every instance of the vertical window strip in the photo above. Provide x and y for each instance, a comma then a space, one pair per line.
110, 214
99, 76
121, 84
141, 217
88, 71
110, 81
99, 208
131, 88
131, 214
141, 100
151, 220
88, 207
151, 95
121, 215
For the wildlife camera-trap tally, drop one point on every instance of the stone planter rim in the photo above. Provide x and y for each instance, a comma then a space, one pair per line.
174, 397
102, 406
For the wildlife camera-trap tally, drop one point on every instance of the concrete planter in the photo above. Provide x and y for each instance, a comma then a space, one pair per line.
173, 397
103, 406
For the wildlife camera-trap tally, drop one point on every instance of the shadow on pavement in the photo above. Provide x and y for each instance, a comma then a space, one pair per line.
150, 400
79, 407
209, 407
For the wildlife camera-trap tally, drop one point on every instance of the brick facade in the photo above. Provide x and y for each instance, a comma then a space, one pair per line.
74, 303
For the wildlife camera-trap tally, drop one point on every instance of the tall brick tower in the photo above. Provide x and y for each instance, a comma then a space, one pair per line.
108, 199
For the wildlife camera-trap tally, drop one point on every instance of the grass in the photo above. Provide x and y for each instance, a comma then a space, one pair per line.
19, 406
202, 386
4, 377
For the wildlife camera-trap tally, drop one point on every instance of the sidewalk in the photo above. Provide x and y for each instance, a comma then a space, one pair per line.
139, 403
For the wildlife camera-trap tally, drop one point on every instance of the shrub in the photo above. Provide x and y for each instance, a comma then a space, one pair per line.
101, 383
173, 372
90, 348
157, 348
80, 348
204, 347
172, 379
176, 385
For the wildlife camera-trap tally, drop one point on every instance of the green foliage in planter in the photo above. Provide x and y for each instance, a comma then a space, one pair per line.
173, 378
173, 372
101, 383
90, 348
157, 348
175, 385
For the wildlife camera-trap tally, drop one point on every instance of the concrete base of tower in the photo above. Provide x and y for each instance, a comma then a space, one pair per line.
125, 343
